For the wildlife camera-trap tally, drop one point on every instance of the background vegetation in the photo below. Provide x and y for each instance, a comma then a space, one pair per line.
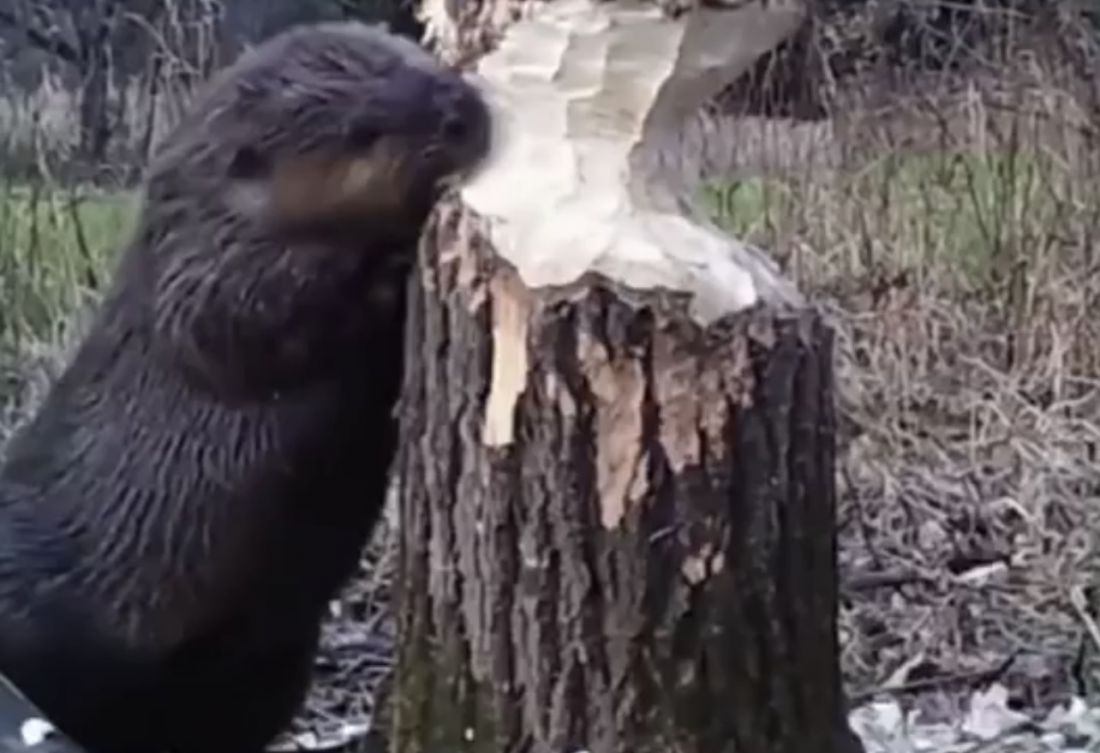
926, 170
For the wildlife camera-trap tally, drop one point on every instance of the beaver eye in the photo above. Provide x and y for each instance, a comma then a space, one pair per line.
362, 136
247, 163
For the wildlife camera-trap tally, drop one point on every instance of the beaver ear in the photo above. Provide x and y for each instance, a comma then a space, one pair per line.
247, 164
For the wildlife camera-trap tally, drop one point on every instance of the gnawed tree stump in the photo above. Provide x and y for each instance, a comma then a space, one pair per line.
616, 483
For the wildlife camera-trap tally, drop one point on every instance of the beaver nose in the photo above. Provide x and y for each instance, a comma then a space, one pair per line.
464, 124
453, 129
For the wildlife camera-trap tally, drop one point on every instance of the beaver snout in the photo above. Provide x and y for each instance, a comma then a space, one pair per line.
464, 123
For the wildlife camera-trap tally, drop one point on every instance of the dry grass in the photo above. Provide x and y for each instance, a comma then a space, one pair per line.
40, 129
952, 240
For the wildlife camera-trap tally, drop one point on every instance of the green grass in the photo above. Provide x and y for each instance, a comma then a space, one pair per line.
974, 212
55, 248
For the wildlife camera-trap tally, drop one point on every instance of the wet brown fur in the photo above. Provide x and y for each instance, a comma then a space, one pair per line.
199, 482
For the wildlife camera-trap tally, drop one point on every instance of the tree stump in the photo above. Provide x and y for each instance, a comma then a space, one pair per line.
616, 490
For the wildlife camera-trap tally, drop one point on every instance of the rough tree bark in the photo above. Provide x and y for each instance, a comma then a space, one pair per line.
616, 491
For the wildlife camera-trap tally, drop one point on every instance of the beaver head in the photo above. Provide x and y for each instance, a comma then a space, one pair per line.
331, 128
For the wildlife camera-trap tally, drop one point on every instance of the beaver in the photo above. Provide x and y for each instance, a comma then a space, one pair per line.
198, 483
